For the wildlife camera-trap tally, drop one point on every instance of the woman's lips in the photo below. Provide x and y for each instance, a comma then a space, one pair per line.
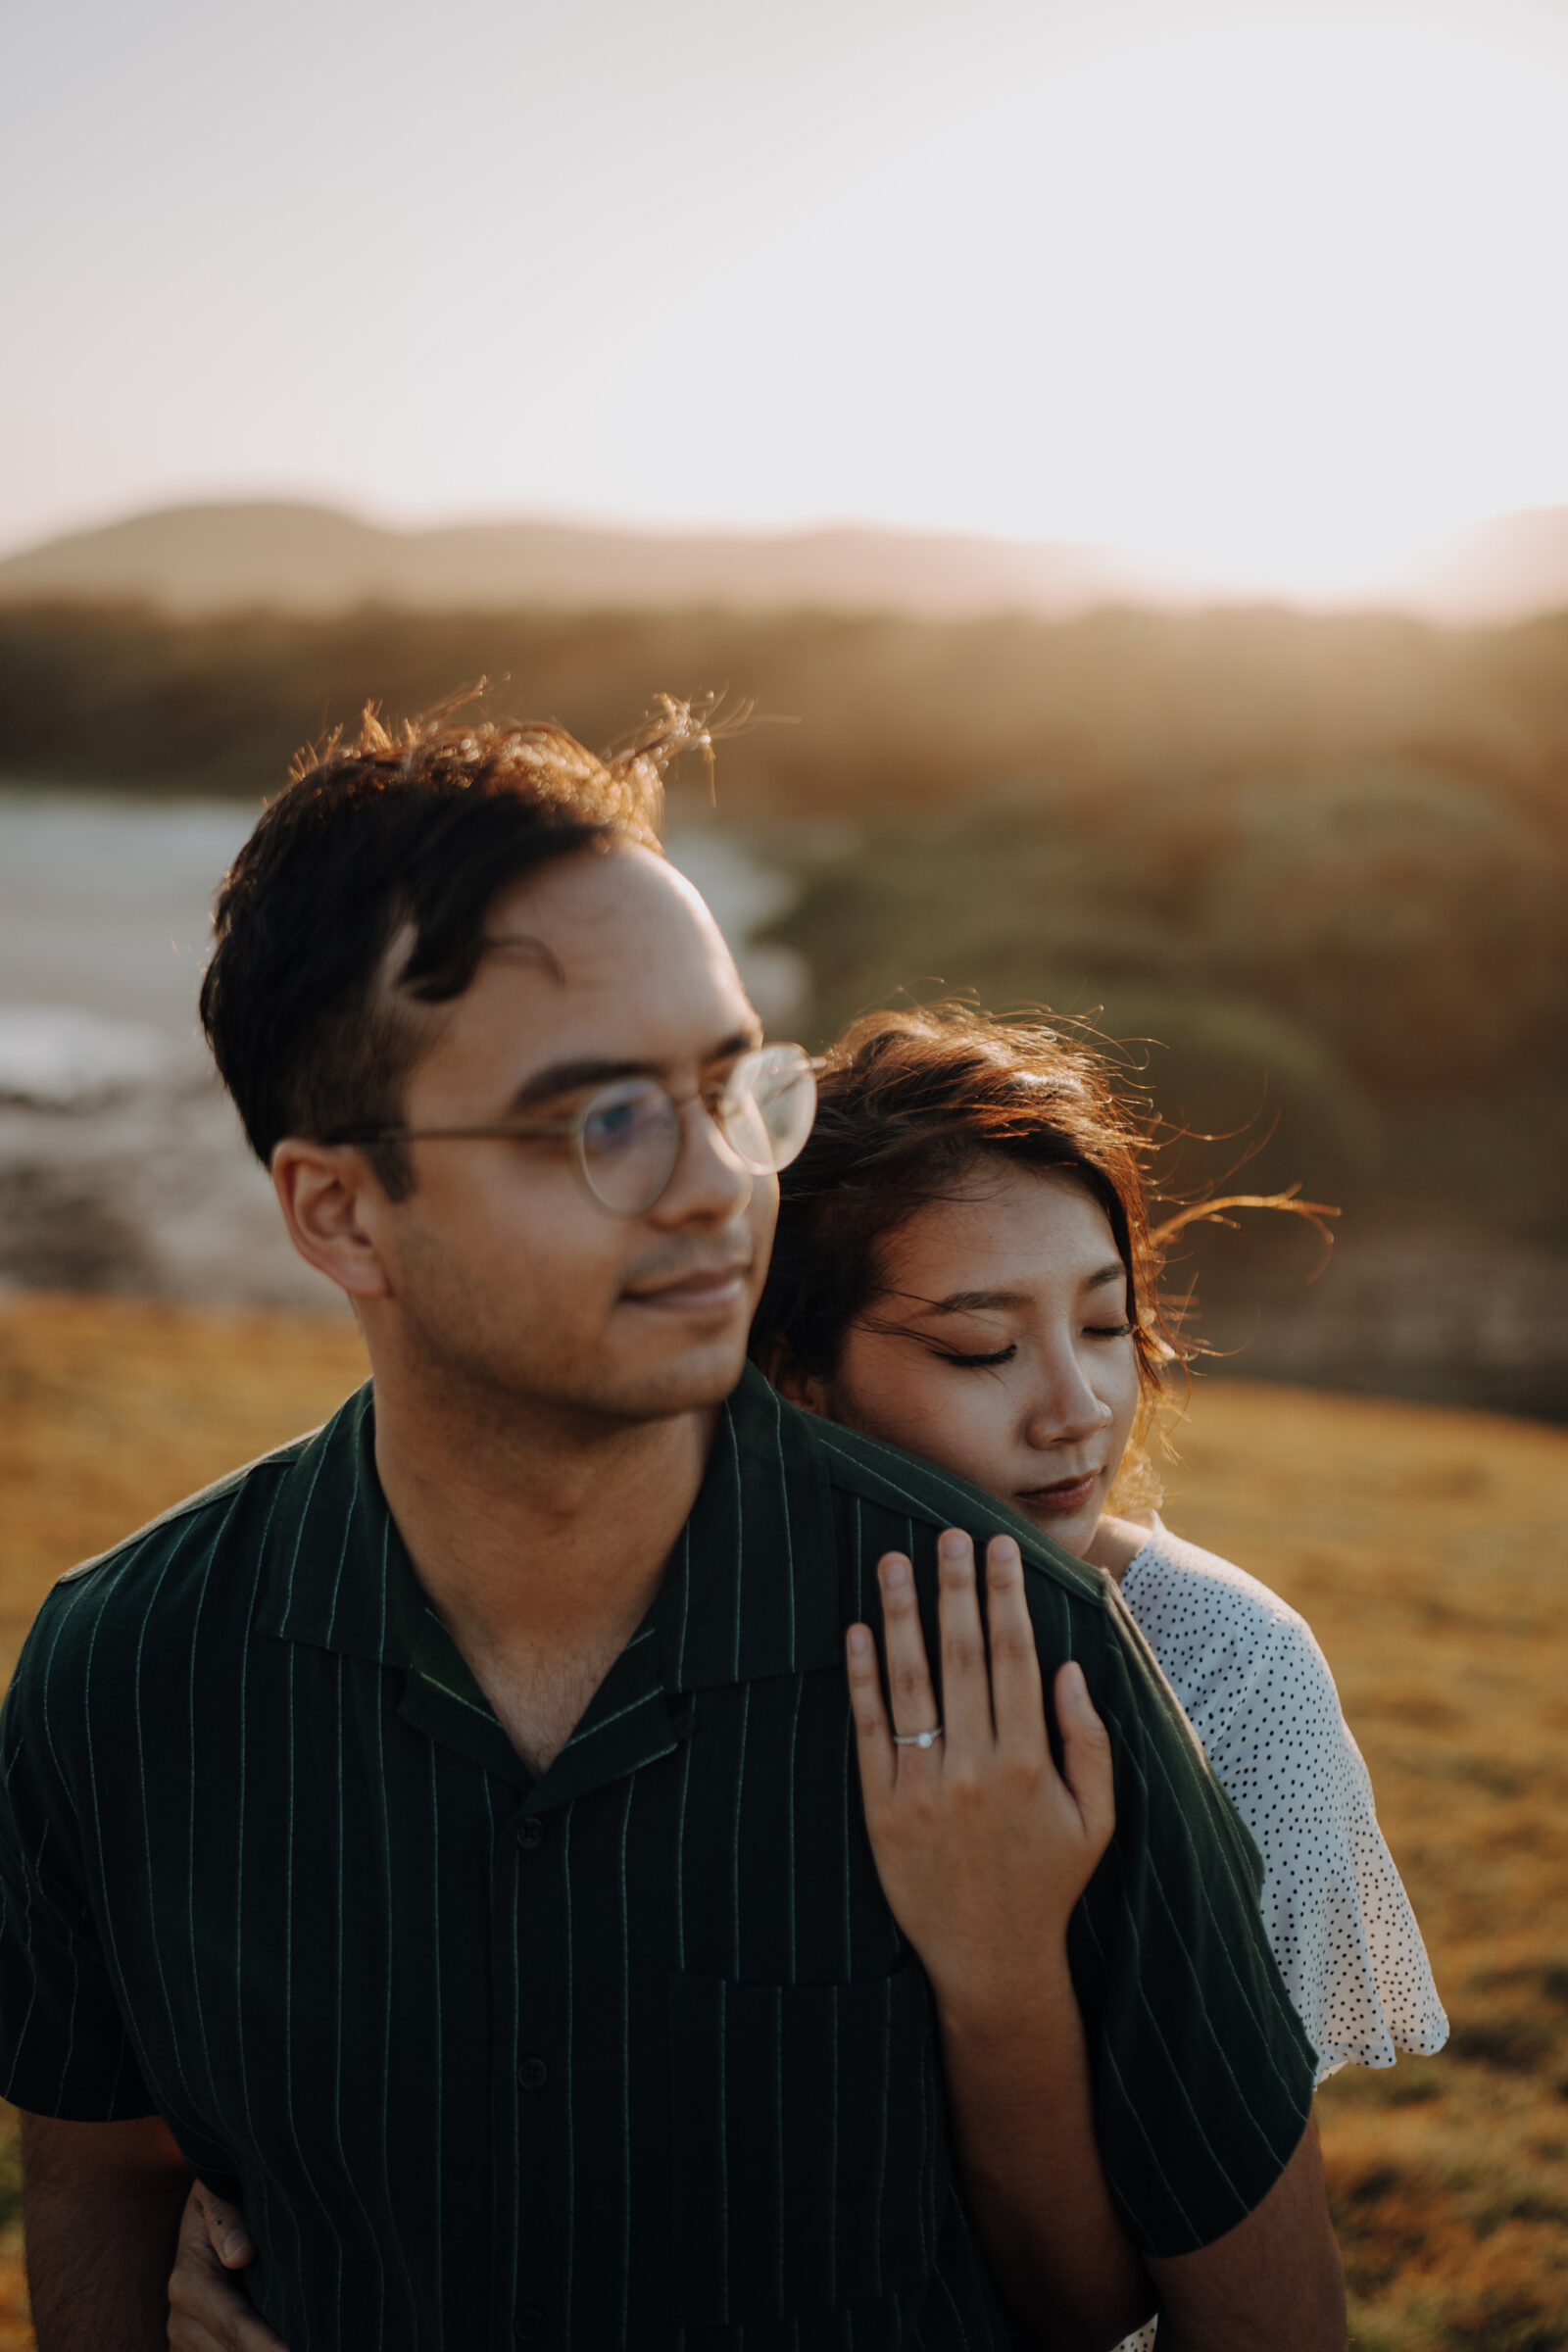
1066, 1495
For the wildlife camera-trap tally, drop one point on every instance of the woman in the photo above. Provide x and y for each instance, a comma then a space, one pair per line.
964, 1268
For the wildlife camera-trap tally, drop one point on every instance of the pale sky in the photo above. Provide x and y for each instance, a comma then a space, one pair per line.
1276, 289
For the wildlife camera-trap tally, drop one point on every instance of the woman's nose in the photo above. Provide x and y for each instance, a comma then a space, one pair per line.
1065, 1412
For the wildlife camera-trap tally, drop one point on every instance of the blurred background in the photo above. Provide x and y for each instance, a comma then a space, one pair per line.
1125, 445
1119, 449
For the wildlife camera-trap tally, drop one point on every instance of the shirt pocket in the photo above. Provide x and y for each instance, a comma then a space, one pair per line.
811, 2153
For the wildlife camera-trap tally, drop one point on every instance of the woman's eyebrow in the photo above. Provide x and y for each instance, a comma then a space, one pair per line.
966, 1302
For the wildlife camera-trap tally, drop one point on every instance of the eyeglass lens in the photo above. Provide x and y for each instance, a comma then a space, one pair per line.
630, 1141
630, 1136
768, 1106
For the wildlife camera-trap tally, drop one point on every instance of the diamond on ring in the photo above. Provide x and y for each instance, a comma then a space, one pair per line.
918, 1738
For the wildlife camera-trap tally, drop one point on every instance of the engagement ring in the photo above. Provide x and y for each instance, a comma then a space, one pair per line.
918, 1738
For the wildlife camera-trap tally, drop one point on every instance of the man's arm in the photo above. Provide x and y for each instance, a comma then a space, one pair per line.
101, 2208
1276, 2278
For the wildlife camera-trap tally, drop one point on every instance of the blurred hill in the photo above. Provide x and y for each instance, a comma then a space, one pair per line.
1498, 571
300, 558
289, 558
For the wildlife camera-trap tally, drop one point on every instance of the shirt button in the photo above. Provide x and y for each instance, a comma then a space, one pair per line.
530, 2326
530, 1832
533, 2074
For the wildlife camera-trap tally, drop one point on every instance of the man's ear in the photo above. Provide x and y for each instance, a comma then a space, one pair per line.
784, 1369
334, 1210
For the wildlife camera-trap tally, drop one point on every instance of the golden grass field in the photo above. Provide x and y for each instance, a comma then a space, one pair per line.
1428, 1549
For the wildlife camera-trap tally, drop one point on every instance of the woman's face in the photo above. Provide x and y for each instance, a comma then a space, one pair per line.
999, 1347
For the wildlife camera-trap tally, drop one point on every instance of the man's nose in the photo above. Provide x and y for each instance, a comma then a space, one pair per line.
709, 1184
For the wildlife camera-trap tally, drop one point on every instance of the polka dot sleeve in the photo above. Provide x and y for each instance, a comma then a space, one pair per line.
1260, 1696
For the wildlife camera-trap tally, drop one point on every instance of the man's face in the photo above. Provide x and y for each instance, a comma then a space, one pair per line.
505, 1274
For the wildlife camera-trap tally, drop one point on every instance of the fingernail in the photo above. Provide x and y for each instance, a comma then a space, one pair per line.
860, 1642
1072, 1681
895, 1572
1003, 1550
233, 2246
954, 1545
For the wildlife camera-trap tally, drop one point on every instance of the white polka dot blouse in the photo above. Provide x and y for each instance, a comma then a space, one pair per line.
1259, 1694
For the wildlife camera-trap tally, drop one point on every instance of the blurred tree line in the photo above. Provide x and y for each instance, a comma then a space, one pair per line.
1319, 864
894, 712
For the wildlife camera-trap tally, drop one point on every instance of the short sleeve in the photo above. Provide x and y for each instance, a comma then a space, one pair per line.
1203, 2078
64, 2047
1336, 1911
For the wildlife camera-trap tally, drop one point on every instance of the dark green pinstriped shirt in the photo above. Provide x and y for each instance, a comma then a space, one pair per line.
632, 2056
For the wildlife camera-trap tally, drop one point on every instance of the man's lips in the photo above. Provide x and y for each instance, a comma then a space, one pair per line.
703, 1290
1066, 1494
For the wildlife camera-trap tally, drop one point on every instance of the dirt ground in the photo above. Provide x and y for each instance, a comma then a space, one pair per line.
1428, 1549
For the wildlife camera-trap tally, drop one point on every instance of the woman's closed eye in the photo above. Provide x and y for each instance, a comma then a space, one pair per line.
974, 1364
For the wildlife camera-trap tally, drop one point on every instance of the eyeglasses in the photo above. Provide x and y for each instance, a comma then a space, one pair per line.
625, 1139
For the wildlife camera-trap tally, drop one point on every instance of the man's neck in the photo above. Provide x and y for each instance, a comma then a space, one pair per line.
541, 1537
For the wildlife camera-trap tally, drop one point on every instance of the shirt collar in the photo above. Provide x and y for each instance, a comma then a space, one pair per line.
337, 1574
752, 1589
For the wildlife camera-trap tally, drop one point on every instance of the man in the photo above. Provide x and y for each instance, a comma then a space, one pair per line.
444, 1835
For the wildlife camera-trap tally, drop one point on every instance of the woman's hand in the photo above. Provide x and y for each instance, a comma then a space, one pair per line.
983, 1847
207, 2309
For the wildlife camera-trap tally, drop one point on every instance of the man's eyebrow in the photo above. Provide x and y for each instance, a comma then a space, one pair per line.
558, 1078
571, 1077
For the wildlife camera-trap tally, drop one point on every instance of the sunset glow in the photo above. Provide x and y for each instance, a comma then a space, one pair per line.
1273, 306
1273, 299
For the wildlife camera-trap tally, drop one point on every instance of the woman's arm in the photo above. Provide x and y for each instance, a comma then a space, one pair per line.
1334, 1905
983, 1849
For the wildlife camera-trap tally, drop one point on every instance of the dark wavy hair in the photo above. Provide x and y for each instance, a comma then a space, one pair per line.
414, 831
907, 1102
